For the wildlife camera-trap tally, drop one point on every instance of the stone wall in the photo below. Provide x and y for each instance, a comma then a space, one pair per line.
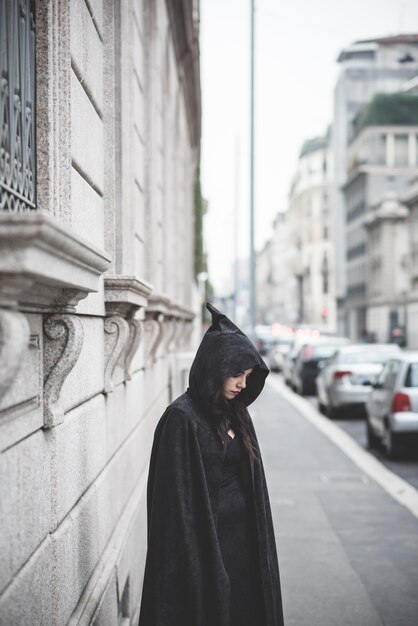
97, 301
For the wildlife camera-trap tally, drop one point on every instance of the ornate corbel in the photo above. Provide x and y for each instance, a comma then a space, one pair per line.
153, 327
116, 338
124, 296
134, 340
14, 338
169, 333
62, 346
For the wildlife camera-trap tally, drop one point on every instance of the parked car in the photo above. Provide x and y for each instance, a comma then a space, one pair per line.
290, 357
278, 351
308, 359
392, 405
312, 336
345, 380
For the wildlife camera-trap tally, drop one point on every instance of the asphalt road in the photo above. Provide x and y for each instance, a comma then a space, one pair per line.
348, 551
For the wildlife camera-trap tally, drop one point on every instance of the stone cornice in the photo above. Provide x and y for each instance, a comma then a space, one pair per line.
125, 294
158, 303
43, 266
186, 44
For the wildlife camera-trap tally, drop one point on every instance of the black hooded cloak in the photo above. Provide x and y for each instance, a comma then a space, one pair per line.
185, 581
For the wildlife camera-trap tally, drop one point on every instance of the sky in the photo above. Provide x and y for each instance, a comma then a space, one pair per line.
296, 47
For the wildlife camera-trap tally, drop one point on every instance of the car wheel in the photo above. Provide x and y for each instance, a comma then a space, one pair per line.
392, 445
372, 439
304, 391
332, 412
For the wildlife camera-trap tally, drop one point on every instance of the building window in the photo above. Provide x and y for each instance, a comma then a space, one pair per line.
17, 106
377, 147
401, 150
325, 275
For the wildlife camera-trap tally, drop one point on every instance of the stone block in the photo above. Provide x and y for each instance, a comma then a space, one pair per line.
94, 303
82, 537
138, 59
87, 155
86, 51
86, 378
25, 509
87, 210
90, 436
96, 7
20, 406
107, 612
131, 561
139, 251
81, 451
138, 159
29, 598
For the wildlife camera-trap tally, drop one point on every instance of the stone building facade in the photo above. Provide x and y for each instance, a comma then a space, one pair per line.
99, 146
310, 258
367, 67
271, 276
382, 159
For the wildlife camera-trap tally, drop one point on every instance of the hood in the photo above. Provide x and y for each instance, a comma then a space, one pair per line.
225, 351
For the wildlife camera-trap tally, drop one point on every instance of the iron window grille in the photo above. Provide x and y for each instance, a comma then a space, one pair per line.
17, 106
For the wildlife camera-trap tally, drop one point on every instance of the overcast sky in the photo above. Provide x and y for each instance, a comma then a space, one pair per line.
297, 44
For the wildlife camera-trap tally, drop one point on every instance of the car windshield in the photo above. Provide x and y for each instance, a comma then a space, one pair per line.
412, 376
288, 341
323, 351
365, 356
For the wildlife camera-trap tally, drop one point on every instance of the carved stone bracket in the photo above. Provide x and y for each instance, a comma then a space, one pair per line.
134, 339
62, 347
124, 296
14, 338
153, 327
116, 337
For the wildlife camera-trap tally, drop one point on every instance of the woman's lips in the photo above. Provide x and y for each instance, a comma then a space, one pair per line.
236, 393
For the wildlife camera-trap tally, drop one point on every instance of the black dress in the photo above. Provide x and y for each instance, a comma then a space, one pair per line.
237, 537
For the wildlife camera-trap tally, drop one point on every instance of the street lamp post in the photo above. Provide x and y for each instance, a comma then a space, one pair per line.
252, 251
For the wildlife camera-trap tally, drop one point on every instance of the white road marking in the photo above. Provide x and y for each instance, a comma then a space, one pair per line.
395, 486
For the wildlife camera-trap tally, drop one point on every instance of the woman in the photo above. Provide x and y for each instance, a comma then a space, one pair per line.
211, 551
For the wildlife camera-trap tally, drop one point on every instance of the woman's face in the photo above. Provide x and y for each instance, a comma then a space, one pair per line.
233, 385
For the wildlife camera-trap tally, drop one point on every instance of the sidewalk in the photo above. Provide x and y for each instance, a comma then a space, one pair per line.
348, 551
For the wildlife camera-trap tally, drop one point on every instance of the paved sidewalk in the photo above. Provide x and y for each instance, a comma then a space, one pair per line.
348, 551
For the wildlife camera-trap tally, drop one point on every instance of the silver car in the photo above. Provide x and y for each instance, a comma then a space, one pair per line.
277, 353
345, 380
392, 406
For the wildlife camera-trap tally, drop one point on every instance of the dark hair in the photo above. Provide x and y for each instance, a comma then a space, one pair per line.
232, 414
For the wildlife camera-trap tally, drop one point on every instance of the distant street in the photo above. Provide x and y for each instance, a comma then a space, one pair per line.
348, 551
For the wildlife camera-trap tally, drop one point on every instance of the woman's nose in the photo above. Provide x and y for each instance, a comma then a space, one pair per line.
241, 383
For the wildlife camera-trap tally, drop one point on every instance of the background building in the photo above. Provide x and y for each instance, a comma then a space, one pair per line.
99, 147
271, 278
310, 260
368, 67
382, 158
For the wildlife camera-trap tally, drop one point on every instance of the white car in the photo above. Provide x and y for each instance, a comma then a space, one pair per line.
345, 380
392, 405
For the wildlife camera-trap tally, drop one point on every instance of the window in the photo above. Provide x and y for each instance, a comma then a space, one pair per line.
401, 150
412, 376
17, 106
325, 275
391, 374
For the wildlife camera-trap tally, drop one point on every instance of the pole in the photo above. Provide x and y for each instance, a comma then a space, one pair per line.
236, 208
252, 252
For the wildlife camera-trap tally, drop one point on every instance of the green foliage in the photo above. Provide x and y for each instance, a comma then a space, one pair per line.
199, 255
389, 109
